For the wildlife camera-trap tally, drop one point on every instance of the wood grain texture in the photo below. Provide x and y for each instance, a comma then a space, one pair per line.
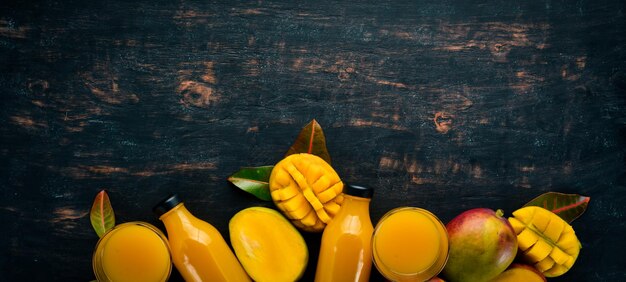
445, 105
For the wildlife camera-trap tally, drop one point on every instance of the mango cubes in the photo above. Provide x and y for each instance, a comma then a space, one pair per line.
545, 240
307, 190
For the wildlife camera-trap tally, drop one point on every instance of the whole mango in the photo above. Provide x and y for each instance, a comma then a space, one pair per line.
482, 245
307, 190
545, 240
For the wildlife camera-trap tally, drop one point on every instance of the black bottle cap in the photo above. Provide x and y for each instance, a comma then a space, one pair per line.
358, 191
166, 205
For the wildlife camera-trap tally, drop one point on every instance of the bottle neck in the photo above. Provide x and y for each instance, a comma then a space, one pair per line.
176, 216
354, 204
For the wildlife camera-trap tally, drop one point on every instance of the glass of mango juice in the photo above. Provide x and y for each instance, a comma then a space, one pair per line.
133, 251
409, 244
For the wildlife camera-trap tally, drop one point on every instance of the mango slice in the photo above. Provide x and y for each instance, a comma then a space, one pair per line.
520, 273
267, 245
307, 190
545, 240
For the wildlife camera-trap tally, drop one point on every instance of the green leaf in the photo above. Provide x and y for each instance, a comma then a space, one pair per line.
311, 140
567, 206
254, 180
102, 216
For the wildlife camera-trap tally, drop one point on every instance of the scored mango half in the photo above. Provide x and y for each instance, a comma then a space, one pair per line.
545, 240
307, 190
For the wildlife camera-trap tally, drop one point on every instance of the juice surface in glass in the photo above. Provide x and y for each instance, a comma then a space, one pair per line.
345, 251
134, 252
199, 251
410, 244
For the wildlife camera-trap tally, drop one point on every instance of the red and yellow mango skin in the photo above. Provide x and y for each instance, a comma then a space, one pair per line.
482, 245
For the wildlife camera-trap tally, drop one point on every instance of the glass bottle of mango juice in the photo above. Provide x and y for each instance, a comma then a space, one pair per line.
199, 251
346, 250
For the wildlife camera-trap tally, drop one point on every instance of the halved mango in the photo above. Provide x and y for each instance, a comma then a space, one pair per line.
520, 273
267, 245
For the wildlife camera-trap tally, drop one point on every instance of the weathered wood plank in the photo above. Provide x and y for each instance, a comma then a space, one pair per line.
446, 106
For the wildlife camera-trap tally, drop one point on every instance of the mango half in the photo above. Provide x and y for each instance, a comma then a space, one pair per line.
307, 190
545, 240
267, 245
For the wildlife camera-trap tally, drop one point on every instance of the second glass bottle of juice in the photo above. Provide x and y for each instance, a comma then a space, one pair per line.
346, 249
199, 251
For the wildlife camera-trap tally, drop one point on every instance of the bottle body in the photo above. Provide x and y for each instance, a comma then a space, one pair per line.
199, 251
346, 252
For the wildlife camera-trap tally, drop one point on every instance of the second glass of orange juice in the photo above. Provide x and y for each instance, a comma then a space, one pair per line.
410, 244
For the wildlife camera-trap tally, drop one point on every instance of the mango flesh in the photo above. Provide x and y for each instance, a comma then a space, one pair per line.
307, 190
545, 240
520, 273
267, 245
482, 245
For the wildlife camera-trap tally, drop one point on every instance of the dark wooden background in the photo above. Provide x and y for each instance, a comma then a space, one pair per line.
445, 105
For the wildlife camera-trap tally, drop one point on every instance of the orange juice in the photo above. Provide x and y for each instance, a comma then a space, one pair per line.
134, 252
346, 250
410, 244
199, 251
